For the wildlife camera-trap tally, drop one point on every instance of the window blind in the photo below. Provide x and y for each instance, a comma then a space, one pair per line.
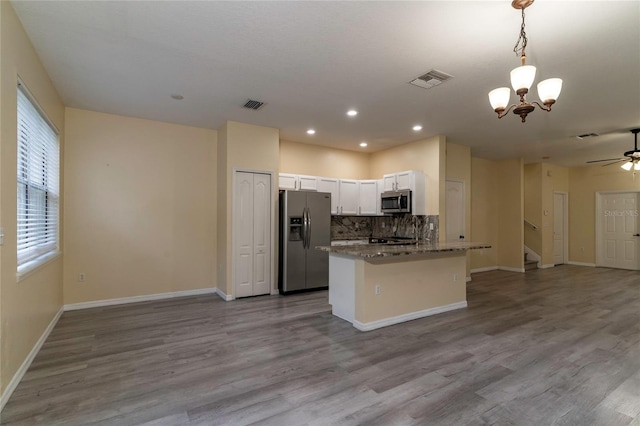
38, 182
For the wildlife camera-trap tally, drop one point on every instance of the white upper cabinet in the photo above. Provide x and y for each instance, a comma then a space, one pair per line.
297, 182
406, 180
330, 185
389, 183
369, 197
307, 183
287, 181
349, 194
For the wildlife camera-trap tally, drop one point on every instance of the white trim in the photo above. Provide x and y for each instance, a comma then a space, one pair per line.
34, 265
469, 279
464, 203
17, 377
223, 295
532, 254
547, 266
275, 292
510, 269
592, 265
368, 326
136, 299
484, 269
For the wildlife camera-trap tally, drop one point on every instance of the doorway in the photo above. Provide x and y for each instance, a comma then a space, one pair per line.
455, 210
560, 228
252, 259
618, 230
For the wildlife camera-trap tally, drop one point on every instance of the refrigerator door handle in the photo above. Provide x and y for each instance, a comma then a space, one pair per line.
305, 227
308, 228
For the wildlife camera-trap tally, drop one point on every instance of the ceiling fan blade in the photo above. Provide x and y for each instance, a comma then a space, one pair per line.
615, 162
608, 159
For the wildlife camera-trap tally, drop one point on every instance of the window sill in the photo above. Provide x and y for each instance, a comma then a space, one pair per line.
32, 266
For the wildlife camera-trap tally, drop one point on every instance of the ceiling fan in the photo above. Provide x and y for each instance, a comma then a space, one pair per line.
631, 158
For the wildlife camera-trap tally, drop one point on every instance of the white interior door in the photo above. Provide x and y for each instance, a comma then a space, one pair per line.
455, 213
558, 228
619, 228
252, 234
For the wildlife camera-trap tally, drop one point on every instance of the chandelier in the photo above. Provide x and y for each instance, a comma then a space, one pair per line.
522, 79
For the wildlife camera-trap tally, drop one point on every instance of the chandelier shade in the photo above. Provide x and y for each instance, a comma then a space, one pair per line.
549, 89
627, 166
522, 77
499, 98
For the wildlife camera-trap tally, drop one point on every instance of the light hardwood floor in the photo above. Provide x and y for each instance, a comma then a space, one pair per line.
557, 346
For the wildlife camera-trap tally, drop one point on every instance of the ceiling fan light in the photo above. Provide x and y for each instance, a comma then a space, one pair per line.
549, 89
499, 98
627, 166
522, 77
637, 166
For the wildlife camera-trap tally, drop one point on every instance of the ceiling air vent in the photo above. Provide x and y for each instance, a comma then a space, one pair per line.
431, 79
254, 105
587, 135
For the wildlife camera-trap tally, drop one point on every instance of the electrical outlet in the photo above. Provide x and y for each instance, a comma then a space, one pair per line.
378, 289
431, 226
455, 277
582, 249
81, 277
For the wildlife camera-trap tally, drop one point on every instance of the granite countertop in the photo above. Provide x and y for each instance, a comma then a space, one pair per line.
391, 250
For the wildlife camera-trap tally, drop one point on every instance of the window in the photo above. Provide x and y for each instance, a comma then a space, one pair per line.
38, 183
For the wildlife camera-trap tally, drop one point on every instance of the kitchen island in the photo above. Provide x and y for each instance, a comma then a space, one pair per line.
376, 285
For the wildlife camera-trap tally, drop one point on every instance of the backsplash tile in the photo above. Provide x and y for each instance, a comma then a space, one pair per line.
405, 226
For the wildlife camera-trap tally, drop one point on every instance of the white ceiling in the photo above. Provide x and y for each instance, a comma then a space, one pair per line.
311, 61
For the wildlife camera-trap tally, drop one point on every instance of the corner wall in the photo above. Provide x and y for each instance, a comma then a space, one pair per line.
245, 147
484, 213
511, 214
140, 212
26, 307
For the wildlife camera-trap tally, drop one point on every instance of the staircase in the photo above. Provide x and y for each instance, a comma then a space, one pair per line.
529, 264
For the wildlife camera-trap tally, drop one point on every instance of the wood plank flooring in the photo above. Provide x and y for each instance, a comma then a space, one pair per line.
558, 346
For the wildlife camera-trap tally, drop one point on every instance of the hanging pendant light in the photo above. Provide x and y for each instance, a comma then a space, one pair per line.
522, 79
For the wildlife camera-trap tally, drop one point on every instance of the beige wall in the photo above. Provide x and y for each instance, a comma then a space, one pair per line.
26, 307
405, 288
305, 159
484, 212
510, 213
140, 214
584, 182
427, 155
221, 209
253, 148
533, 206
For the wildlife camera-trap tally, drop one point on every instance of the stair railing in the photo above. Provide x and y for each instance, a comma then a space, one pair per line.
531, 225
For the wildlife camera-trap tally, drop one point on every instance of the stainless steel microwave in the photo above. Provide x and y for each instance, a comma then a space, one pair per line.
396, 202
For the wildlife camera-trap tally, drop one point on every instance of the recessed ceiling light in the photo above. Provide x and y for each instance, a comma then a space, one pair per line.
311, 132
417, 128
352, 113
177, 97
363, 144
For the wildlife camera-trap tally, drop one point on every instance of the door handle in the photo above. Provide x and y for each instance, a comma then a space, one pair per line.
636, 235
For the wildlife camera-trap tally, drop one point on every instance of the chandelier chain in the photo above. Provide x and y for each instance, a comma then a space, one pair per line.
522, 39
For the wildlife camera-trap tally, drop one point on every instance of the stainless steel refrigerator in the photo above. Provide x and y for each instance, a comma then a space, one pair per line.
305, 222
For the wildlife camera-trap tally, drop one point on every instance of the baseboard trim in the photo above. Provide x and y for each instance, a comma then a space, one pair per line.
136, 299
17, 377
223, 295
468, 279
275, 292
368, 326
510, 269
485, 269
591, 265
547, 266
